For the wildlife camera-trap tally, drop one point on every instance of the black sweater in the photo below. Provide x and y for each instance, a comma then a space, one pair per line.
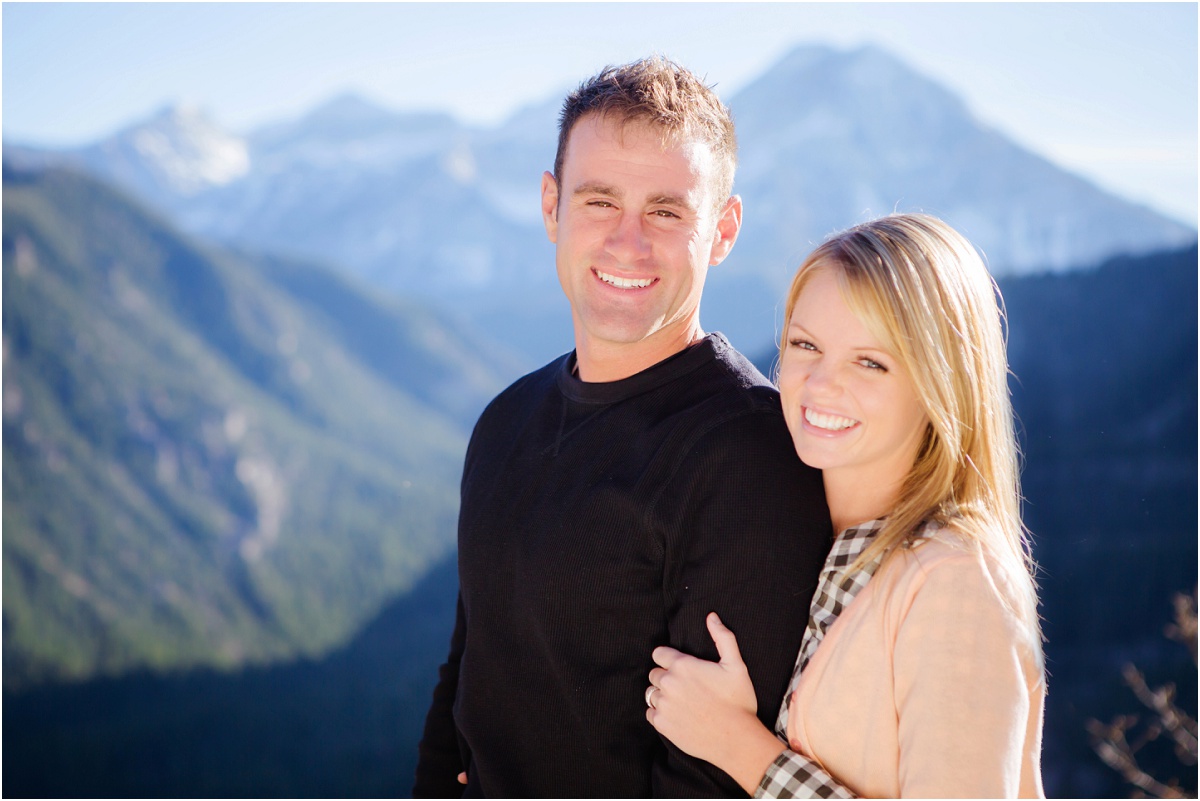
599, 521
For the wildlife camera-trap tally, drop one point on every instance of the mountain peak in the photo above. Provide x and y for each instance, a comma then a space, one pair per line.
806, 57
180, 121
349, 108
180, 147
802, 57
181, 113
829, 74
348, 125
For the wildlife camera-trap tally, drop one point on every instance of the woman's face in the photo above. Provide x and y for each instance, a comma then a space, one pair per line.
851, 407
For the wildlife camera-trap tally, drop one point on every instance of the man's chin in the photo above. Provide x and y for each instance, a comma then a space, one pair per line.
624, 335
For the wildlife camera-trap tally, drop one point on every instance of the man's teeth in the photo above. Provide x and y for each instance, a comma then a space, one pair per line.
829, 422
625, 283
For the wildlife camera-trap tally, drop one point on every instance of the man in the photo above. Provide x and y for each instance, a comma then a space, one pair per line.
615, 497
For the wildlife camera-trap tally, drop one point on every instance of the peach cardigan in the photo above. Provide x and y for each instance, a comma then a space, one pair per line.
927, 685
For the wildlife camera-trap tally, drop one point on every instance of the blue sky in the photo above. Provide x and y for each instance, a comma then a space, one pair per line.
1108, 90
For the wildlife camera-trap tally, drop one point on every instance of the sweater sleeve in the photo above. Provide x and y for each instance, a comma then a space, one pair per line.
439, 760
749, 535
961, 692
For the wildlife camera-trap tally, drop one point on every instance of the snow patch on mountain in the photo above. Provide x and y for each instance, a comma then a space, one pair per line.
180, 150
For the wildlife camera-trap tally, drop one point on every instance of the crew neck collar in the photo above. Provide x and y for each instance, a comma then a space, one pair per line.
669, 369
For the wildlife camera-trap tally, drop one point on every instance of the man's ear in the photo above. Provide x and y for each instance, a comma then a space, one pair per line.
550, 206
729, 223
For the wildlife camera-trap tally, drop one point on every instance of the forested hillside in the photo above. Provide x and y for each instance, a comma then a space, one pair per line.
209, 459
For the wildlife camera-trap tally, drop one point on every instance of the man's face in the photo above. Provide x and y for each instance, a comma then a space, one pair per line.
636, 231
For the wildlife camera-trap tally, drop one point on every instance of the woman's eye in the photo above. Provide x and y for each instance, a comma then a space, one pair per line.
872, 364
802, 344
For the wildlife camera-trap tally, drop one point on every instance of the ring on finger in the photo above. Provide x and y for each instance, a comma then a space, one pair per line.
650, 696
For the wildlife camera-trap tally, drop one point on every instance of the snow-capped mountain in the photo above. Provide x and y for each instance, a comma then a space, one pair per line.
412, 202
830, 138
171, 162
421, 204
179, 152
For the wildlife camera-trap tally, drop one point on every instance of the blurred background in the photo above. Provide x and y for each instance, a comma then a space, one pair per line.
264, 264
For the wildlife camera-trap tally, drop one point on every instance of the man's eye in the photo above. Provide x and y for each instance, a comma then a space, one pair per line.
604, 204
665, 213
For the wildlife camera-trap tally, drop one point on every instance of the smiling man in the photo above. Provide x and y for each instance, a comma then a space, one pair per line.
615, 497
637, 224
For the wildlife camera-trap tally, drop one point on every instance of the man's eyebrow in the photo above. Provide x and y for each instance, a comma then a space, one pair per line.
596, 188
672, 200
605, 190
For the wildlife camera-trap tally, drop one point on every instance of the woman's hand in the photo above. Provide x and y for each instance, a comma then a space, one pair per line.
709, 710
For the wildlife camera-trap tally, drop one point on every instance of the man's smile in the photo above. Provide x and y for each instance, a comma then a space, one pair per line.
624, 283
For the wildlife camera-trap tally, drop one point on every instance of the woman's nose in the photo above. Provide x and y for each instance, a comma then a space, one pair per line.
824, 377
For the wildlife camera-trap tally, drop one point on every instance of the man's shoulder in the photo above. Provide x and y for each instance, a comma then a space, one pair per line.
516, 403
738, 384
729, 410
534, 383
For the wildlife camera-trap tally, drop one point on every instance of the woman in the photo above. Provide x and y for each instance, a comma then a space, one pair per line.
920, 672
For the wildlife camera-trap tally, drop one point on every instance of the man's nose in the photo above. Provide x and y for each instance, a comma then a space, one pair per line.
627, 242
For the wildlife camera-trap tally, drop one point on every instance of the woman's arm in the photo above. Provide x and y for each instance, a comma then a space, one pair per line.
708, 709
963, 671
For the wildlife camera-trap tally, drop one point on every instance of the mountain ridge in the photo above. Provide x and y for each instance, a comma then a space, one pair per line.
199, 468
449, 212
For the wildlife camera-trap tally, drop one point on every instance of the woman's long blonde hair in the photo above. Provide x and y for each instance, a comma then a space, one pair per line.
921, 288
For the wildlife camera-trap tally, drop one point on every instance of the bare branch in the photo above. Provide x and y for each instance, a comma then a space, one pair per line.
1183, 630
1179, 725
1110, 745
1111, 742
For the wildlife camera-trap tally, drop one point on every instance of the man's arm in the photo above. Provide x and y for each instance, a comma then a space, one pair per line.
752, 535
439, 760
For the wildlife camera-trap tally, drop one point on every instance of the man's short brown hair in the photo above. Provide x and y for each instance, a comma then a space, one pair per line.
656, 91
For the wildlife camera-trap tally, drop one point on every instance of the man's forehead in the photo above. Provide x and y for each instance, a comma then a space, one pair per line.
631, 132
625, 127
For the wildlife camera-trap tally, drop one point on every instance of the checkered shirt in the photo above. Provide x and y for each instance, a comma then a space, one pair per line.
794, 775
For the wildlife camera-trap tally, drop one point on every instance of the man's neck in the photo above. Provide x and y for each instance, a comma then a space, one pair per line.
601, 362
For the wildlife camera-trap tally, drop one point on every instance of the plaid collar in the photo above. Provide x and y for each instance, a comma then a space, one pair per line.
849, 544
836, 588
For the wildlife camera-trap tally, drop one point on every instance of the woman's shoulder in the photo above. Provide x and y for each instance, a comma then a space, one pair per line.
936, 546
947, 567
943, 558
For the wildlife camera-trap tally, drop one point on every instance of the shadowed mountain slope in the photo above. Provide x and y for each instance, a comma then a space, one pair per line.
210, 459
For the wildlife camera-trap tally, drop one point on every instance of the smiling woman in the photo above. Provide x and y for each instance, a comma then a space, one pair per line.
921, 671
849, 401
